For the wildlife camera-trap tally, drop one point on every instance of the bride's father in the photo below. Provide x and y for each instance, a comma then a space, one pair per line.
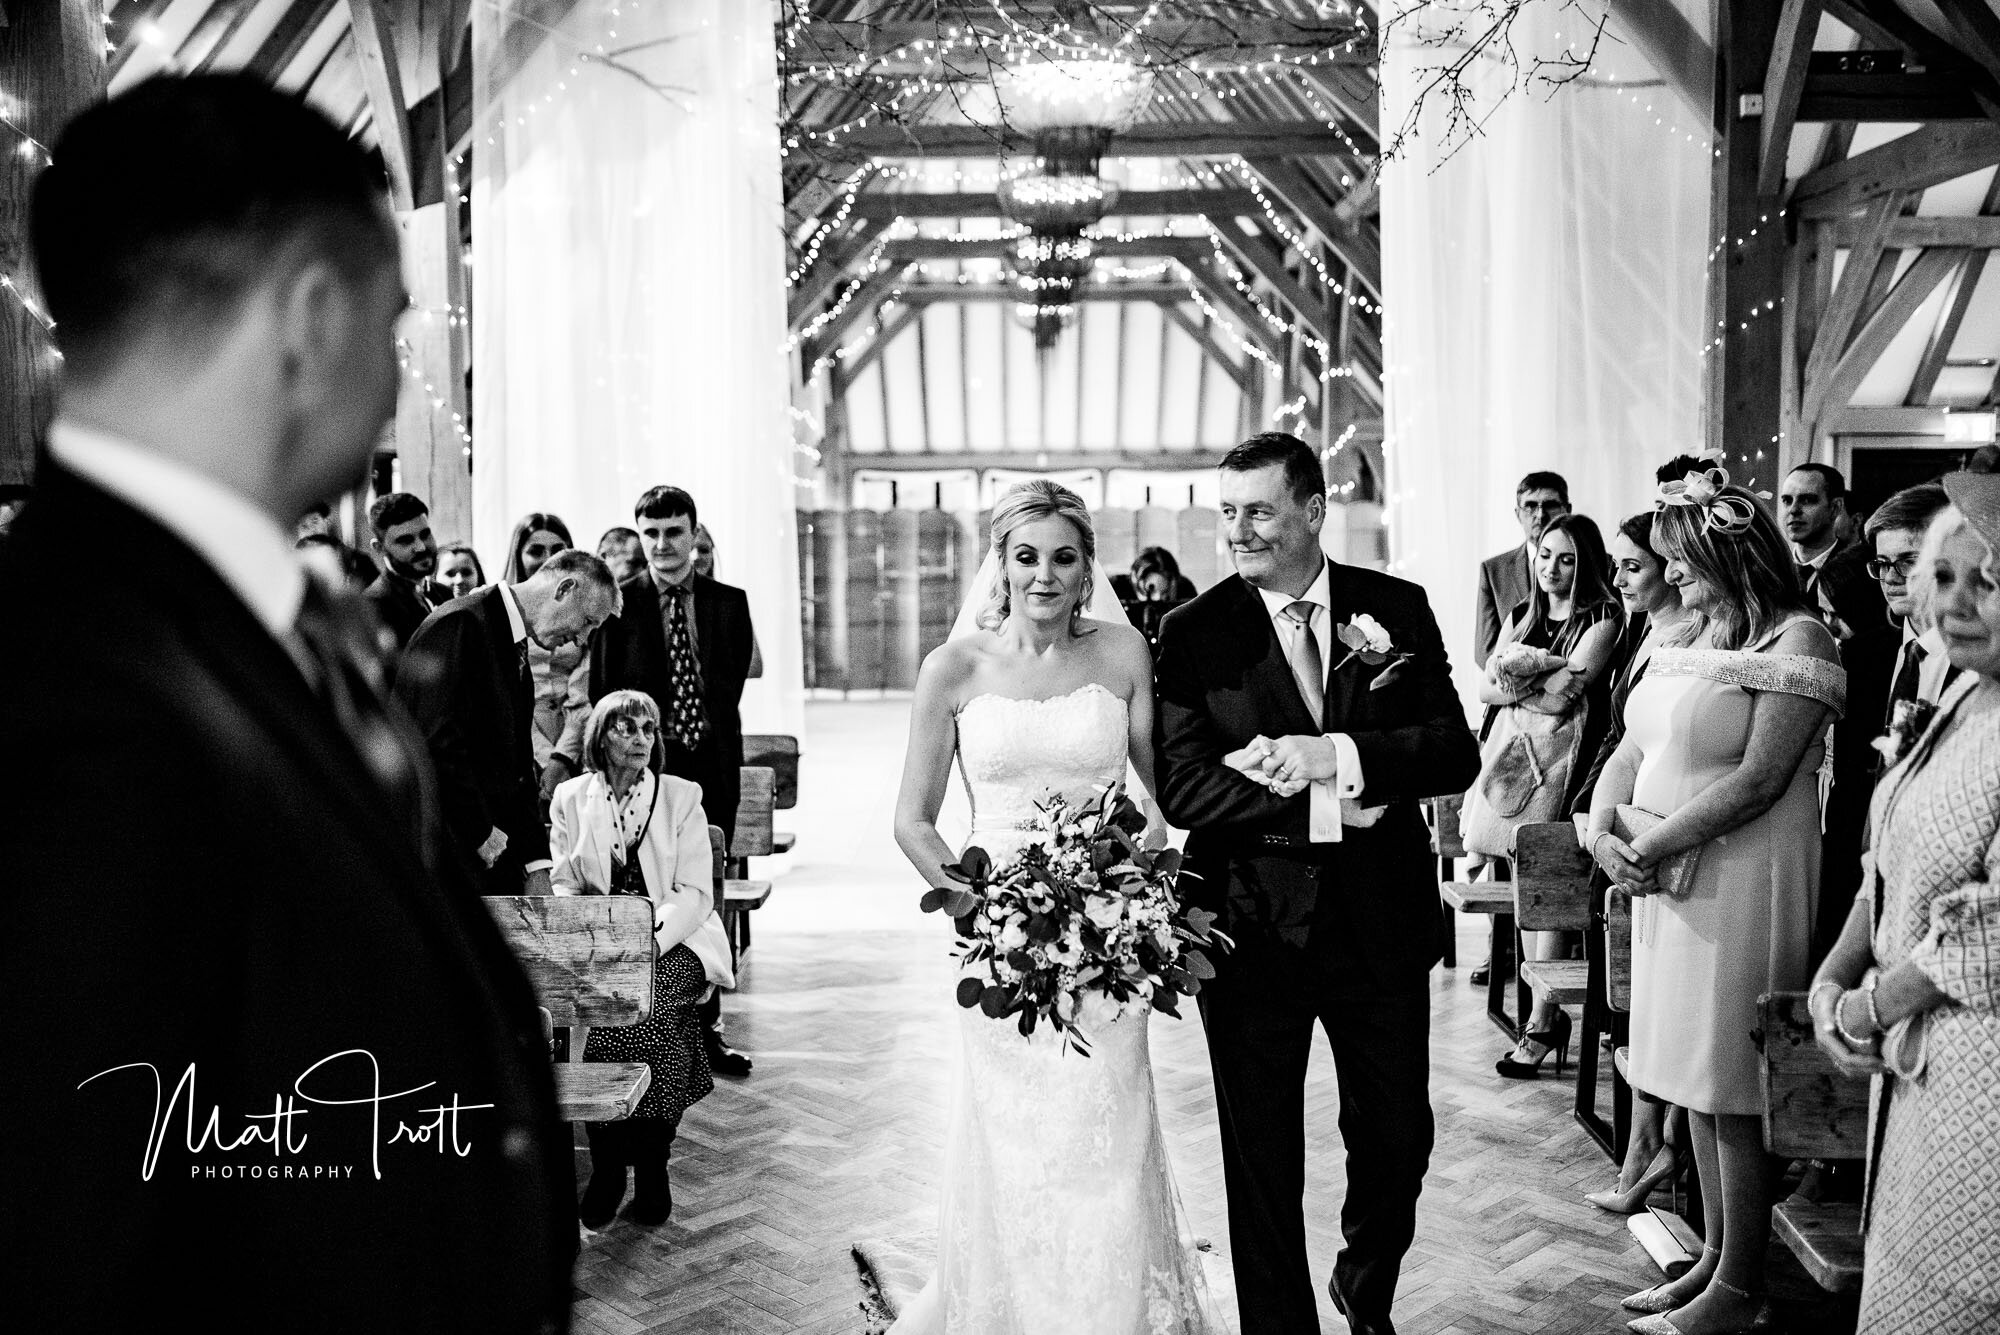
1297, 765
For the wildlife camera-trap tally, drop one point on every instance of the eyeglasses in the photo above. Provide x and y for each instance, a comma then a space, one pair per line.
1880, 566
1543, 507
630, 728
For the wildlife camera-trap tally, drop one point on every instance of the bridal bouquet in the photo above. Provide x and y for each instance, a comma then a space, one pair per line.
1085, 910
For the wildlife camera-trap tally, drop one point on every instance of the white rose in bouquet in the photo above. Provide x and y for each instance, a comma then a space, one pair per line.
1013, 936
1104, 911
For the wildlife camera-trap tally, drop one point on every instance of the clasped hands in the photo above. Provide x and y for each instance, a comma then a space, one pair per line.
1631, 871
1285, 765
1830, 1004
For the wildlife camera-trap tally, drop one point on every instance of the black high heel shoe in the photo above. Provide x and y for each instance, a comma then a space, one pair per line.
1554, 1040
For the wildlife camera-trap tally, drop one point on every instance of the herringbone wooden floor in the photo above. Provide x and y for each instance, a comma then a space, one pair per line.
845, 1005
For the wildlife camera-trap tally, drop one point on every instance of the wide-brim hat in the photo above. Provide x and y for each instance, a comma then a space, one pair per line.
1977, 496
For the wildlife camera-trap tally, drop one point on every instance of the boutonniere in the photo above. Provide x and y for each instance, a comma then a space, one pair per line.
1906, 723
1369, 640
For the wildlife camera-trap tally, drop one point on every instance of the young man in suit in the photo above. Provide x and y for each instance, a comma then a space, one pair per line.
401, 594
1297, 766
465, 680
1812, 508
1506, 580
685, 640
262, 1002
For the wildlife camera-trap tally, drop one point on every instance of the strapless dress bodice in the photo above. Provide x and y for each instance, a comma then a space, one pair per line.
1015, 753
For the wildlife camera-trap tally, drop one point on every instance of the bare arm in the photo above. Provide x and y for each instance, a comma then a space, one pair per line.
1135, 663
1491, 689
1589, 662
927, 768
1782, 727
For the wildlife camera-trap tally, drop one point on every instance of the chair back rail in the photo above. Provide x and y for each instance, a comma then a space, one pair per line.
1811, 1110
781, 753
589, 957
1618, 952
1445, 840
753, 813
1551, 878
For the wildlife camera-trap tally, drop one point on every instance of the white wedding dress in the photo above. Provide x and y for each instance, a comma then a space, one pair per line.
1059, 1211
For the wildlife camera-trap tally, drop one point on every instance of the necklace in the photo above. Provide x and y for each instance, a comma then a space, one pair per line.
630, 805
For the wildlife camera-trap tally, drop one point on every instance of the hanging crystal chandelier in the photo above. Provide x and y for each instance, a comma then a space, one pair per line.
1071, 108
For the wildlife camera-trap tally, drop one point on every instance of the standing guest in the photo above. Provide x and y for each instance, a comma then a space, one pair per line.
222, 812
1896, 533
402, 594
1911, 993
1506, 580
1654, 616
686, 641
338, 564
1157, 578
560, 677
465, 679
619, 549
318, 518
1723, 742
459, 571
624, 828
1573, 614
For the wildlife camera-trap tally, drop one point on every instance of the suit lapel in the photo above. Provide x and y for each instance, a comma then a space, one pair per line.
707, 627
1342, 682
516, 696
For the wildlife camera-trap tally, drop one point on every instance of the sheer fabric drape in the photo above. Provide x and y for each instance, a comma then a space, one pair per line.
1543, 293
628, 295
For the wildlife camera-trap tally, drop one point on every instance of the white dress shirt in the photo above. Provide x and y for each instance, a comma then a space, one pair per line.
517, 626
1324, 795
247, 548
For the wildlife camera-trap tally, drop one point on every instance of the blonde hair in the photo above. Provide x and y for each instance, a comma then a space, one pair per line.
1025, 503
1752, 569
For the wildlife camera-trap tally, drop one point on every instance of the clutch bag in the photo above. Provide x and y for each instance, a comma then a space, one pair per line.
1675, 874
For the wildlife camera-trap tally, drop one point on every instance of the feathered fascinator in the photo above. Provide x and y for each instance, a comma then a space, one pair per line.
1722, 513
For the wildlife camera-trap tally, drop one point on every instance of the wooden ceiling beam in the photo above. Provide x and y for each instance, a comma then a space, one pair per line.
1265, 261
1204, 340
1923, 232
927, 48
1360, 251
910, 250
1911, 291
1891, 97
284, 42
1784, 83
865, 300
1928, 156
1830, 339
375, 49
1185, 139
884, 205
816, 284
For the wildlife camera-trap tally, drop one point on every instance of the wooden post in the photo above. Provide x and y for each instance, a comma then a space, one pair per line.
1746, 277
51, 68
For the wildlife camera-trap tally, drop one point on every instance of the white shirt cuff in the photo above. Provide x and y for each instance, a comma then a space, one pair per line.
540, 864
1323, 824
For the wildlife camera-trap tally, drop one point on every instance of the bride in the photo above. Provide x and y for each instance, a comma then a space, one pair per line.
1059, 1211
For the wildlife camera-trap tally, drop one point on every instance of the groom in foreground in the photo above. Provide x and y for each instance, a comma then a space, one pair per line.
1297, 763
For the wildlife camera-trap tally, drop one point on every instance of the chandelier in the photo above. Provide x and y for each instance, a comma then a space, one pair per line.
1071, 108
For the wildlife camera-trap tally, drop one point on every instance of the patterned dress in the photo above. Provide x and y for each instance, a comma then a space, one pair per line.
1933, 1256
1699, 963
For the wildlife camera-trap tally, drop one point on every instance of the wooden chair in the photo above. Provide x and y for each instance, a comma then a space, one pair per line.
736, 900
1812, 1111
1441, 814
753, 839
590, 958
1493, 898
780, 753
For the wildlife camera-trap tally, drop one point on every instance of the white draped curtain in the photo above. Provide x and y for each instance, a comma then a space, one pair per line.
1543, 295
628, 290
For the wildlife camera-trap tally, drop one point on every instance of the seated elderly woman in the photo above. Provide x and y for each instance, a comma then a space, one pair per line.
624, 828
1911, 992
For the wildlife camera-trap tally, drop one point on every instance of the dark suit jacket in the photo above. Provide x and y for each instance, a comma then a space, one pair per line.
201, 874
1369, 901
400, 604
1505, 582
461, 680
629, 652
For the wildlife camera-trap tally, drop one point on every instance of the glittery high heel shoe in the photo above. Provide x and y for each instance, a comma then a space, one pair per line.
1661, 1297
1760, 1320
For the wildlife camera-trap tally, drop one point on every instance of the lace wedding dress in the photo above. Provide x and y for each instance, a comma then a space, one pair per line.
1059, 1210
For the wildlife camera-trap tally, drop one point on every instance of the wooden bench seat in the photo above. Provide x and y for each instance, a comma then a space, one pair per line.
783, 841
1564, 982
1812, 1111
1826, 1239
779, 752
590, 960
744, 896
1478, 896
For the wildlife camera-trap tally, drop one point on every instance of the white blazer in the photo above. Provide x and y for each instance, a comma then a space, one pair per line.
674, 856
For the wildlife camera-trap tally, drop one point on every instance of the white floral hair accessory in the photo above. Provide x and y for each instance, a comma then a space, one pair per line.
1724, 514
